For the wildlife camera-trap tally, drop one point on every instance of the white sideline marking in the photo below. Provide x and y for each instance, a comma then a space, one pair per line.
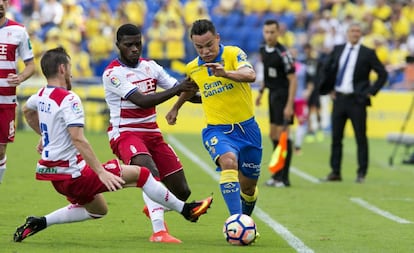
381, 212
304, 175
291, 239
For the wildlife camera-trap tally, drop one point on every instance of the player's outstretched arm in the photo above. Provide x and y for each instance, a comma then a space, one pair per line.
171, 116
150, 100
111, 181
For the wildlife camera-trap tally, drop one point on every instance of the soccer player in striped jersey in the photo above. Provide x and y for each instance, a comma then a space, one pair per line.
69, 162
131, 84
14, 42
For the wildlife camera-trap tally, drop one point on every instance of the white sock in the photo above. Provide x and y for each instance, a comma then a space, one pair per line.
300, 134
2, 168
313, 122
156, 212
160, 194
67, 214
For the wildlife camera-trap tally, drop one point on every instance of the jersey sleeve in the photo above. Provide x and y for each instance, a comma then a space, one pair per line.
117, 83
241, 59
72, 111
164, 80
31, 102
25, 47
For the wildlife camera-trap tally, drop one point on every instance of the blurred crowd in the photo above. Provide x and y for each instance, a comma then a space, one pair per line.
86, 28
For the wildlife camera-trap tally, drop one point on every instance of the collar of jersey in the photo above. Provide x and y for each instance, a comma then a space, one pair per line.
124, 65
53, 86
218, 58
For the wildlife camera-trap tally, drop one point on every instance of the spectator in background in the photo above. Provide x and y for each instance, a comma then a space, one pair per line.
81, 62
174, 42
74, 16
382, 10
156, 42
51, 14
100, 50
225, 7
280, 79
14, 43
136, 11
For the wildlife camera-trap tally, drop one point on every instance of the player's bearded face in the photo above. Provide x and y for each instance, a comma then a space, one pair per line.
68, 76
3, 6
130, 48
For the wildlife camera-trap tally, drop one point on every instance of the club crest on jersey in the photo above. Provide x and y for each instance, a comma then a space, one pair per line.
241, 57
76, 108
115, 81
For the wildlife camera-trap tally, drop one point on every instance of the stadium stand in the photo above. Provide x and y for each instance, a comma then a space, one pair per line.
96, 21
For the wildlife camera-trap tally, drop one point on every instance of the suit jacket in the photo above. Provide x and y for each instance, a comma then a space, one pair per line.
367, 60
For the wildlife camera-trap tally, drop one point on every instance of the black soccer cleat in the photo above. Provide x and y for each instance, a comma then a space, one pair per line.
192, 211
31, 227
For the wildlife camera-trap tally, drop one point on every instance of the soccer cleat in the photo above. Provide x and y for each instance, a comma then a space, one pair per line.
192, 211
31, 227
275, 183
163, 237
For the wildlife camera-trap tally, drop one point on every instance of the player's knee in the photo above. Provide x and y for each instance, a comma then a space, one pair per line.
228, 162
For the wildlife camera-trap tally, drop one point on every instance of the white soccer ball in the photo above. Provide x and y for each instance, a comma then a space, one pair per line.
239, 229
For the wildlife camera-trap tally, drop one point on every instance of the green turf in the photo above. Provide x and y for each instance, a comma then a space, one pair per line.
321, 216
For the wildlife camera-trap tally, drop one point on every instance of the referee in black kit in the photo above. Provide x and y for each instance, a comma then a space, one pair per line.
280, 79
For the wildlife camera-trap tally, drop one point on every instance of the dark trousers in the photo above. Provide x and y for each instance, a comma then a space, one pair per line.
346, 107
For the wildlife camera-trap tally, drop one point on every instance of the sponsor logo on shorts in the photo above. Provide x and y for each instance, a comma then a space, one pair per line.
251, 165
45, 170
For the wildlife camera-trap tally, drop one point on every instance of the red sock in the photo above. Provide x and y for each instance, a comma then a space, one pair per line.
143, 177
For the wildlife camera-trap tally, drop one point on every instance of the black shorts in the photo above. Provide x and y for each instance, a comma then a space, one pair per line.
314, 100
277, 103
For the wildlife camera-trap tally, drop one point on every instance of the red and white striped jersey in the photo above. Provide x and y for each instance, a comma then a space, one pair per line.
14, 42
121, 81
58, 109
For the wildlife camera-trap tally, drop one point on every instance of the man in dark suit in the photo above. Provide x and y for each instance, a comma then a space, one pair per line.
346, 77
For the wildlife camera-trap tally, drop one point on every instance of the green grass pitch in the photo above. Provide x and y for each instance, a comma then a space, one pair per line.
376, 216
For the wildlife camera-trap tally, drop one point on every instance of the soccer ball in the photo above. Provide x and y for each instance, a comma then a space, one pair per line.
239, 229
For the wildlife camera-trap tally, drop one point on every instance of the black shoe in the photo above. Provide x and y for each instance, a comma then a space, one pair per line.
192, 211
31, 227
360, 179
332, 178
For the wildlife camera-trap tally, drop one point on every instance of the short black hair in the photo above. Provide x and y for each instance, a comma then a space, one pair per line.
51, 61
272, 22
127, 29
201, 27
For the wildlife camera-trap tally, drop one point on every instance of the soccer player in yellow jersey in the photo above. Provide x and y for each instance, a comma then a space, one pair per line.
232, 136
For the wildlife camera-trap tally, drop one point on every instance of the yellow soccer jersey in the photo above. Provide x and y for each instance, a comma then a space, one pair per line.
224, 101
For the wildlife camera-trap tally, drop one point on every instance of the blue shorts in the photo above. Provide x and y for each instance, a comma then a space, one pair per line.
243, 139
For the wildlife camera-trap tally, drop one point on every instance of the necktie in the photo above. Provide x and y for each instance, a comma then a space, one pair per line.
342, 70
